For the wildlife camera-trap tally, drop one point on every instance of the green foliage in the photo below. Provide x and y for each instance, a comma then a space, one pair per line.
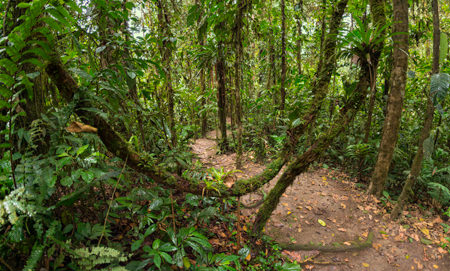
90, 258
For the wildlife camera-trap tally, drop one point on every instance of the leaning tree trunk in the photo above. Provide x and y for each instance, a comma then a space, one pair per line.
115, 143
283, 57
302, 162
395, 103
416, 166
322, 78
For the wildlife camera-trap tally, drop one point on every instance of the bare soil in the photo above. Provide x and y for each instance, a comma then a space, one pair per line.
325, 206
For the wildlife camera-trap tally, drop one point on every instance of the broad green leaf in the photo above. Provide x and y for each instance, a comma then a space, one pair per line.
82, 149
66, 181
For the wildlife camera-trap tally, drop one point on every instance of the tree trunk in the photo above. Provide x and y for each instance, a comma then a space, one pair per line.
322, 78
395, 103
221, 96
241, 6
283, 56
416, 166
166, 55
299, 35
119, 147
302, 162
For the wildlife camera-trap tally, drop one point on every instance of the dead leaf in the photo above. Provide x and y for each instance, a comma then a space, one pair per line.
365, 264
342, 229
347, 243
78, 127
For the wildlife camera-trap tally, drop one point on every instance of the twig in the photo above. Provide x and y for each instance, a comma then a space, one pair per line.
238, 223
11, 141
5, 17
110, 202
6, 264
173, 214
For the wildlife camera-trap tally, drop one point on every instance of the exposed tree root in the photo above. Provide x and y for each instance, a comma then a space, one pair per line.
334, 247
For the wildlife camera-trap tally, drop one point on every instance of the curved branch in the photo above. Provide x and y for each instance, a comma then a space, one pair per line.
114, 142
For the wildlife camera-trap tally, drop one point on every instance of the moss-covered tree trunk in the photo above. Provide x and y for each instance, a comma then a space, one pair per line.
302, 162
166, 46
241, 6
115, 143
322, 79
346, 115
416, 166
395, 103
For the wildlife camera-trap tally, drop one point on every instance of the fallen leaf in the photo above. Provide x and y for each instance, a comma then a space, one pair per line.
343, 206
435, 266
249, 257
321, 222
425, 231
347, 243
365, 264
342, 229
78, 127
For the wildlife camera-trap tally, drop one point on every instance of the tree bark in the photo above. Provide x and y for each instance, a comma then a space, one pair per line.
416, 166
395, 103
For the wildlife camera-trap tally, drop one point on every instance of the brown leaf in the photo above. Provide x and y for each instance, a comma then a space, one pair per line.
78, 127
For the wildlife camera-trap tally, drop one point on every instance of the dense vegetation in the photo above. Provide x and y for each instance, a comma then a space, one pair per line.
100, 100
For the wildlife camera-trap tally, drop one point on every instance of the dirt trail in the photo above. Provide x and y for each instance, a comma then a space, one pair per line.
324, 206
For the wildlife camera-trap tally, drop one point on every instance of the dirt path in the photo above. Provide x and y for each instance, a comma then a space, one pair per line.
324, 206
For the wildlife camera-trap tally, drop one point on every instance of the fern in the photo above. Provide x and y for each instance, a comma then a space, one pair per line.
439, 192
440, 84
35, 256
89, 258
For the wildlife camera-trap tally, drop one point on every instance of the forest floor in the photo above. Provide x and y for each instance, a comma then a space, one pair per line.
326, 206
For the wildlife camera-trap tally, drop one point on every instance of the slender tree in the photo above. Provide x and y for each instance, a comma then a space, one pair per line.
165, 49
395, 103
283, 56
416, 166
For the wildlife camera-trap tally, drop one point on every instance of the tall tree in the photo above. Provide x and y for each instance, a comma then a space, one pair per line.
221, 86
283, 56
165, 48
416, 166
395, 103
298, 14
241, 6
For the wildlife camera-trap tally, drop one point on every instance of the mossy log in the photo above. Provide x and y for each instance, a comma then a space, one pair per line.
355, 245
115, 143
